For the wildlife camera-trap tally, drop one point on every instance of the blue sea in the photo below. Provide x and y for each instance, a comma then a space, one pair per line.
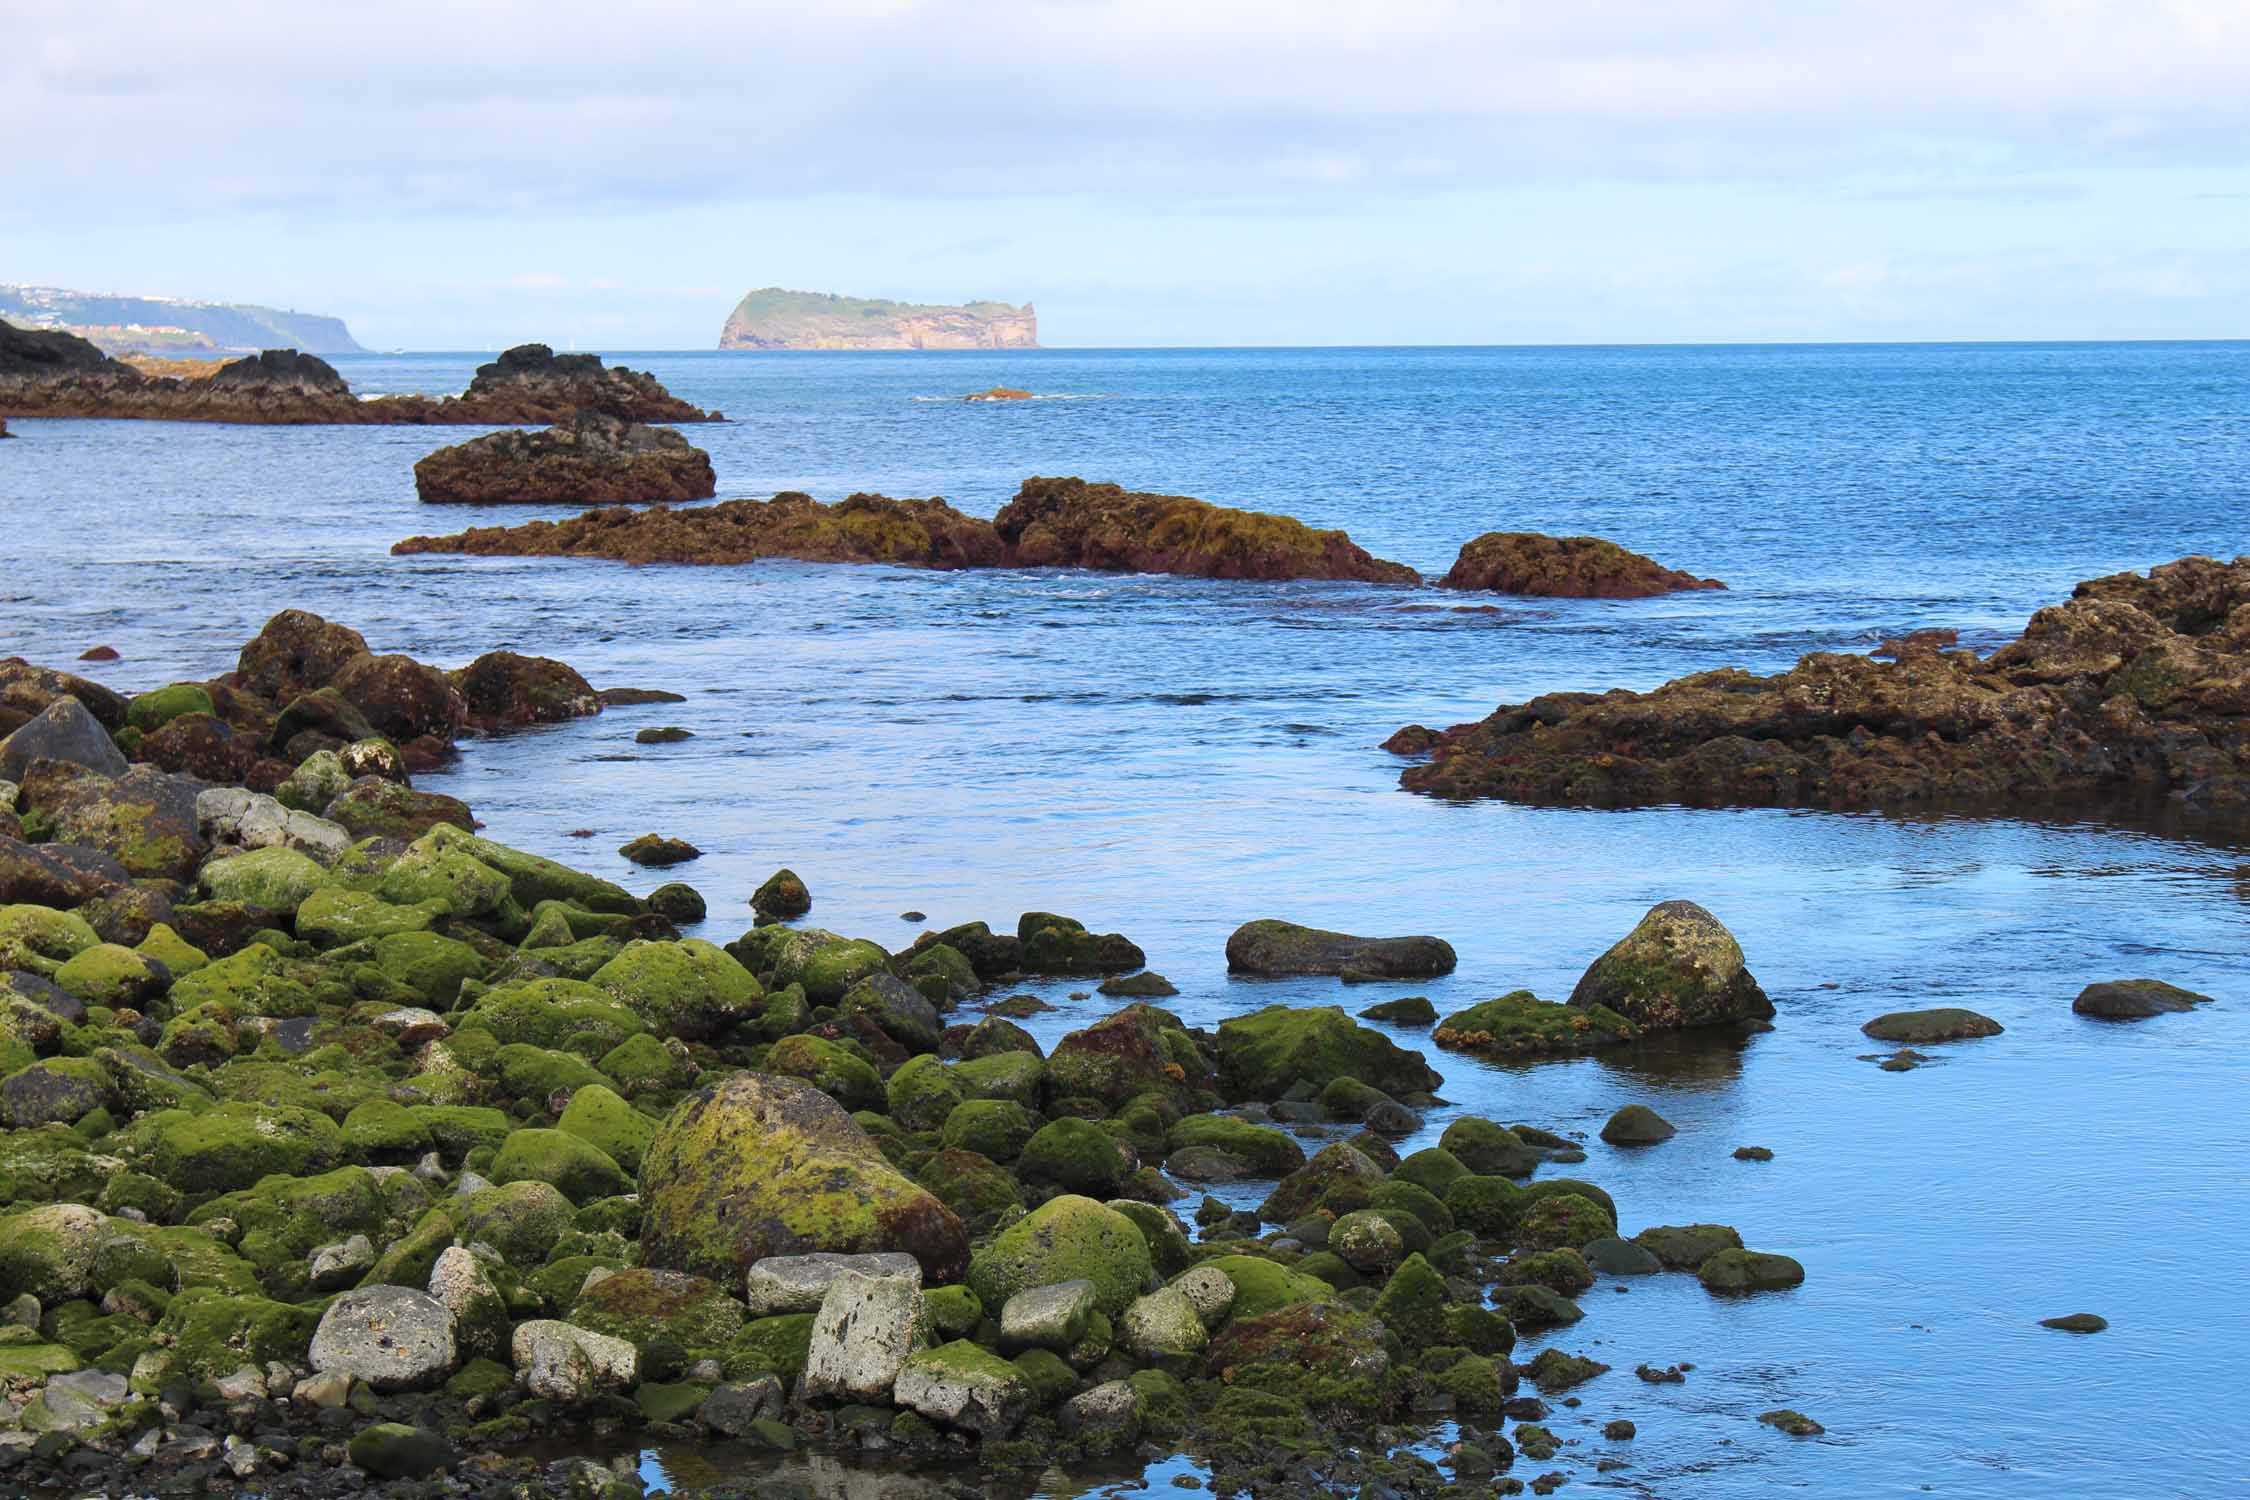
1170, 757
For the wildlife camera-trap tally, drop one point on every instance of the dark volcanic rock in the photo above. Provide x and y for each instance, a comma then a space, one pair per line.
504, 690
2134, 999
296, 652
591, 460
1269, 948
1068, 523
52, 374
62, 731
2136, 690
1564, 567
863, 528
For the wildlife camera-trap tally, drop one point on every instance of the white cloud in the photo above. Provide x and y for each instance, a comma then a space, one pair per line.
466, 105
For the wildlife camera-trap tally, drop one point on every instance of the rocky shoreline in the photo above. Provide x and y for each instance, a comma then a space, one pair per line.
342, 1150
2135, 691
52, 374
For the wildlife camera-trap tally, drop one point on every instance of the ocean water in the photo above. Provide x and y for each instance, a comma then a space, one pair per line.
1171, 757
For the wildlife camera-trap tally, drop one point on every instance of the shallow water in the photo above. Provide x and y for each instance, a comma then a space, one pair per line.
1171, 757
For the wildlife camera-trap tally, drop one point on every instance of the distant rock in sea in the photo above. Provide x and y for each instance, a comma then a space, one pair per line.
1564, 567
2129, 694
44, 373
593, 459
1052, 523
1000, 393
772, 318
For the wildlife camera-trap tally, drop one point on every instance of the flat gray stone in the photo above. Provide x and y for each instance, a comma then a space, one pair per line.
394, 1338
866, 1328
798, 1283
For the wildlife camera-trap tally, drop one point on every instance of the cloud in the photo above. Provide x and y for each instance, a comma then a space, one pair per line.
496, 107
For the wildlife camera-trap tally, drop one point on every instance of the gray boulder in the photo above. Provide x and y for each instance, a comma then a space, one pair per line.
557, 1361
393, 1338
866, 1328
798, 1283
64, 731
1273, 948
1049, 1317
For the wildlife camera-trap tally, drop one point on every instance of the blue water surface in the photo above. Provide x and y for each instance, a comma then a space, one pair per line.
1171, 757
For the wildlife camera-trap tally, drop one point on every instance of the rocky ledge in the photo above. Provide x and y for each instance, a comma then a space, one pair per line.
335, 1157
1050, 523
862, 529
1564, 567
1068, 523
2135, 691
50, 374
593, 459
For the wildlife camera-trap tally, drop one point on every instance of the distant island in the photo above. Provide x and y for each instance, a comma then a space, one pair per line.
172, 326
771, 318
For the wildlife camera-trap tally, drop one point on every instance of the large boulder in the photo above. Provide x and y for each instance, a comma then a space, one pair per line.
505, 690
757, 1165
391, 1337
1678, 967
1262, 1055
297, 652
592, 459
866, 1328
1271, 949
144, 819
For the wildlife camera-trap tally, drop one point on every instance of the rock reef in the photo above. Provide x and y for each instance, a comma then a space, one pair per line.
52, 374
2134, 692
1563, 567
593, 459
1050, 523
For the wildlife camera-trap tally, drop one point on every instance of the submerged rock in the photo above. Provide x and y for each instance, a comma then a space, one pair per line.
2076, 1323
2128, 693
1568, 567
1922, 1027
592, 459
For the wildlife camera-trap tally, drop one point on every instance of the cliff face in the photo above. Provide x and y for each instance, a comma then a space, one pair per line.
775, 319
170, 325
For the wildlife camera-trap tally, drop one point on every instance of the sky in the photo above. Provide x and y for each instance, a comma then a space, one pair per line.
475, 173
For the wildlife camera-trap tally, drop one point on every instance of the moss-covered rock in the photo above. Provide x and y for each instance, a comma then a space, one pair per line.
1268, 1151
1488, 1149
153, 710
39, 939
1264, 1286
642, 1306
1263, 1054
1118, 1057
1520, 1024
384, 1131
776, 1345
275, 878
922, 1093
1678, 967
433, 967
760, 1165
522, 1220
549, 1012
1067, 1238
605, 1121
56, 1091
1566, 1220
781, 897
1332, 1166
825, 964
211, 1334
1074, 1155
829, 1066
540, 1073
1018, 1077
232, 1145
1684, 1247
581, 1171
115, 976
1320, 1353
974, 1186
688, 989
1738, 1270
995, 1128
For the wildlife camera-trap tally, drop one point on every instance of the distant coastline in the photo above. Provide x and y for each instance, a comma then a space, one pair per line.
772, 318
172, 327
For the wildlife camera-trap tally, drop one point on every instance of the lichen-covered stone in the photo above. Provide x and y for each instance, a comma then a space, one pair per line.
1520, 1024
1067, 1238
759, 1165
689, 989
1678, 967
1263, 1054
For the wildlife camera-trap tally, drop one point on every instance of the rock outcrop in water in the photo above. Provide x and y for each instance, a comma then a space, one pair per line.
1563, 567
2135, 691
49, 374
1050, 523
863, 528
592, 459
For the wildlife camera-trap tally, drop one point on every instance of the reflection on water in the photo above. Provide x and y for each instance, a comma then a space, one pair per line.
698, 1470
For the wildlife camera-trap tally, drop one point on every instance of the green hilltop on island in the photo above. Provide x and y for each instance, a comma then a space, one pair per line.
771, 318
